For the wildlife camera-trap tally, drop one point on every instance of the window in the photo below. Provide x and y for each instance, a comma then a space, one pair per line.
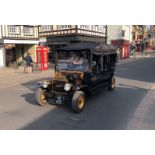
133, 36
46, 28
64, 27
123, 33
13, 29
84, 27
94, 27
106, 62
101, 28
28, 31
96, 64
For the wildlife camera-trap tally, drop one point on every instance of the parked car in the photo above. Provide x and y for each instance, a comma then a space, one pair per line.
80, 68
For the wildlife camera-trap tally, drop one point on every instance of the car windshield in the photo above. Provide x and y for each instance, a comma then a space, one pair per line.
72, 61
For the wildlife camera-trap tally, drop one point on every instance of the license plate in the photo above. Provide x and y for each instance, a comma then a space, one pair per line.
59, 100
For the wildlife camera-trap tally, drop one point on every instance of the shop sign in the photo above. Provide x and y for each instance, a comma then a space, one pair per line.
9, 46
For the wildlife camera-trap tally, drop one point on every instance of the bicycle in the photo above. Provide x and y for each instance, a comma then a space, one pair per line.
35, 67
25, 69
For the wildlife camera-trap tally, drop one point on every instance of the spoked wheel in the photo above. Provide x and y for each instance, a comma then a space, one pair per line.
78, 101
41, 96
112, 84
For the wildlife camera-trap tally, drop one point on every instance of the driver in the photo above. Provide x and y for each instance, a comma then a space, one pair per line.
77, 60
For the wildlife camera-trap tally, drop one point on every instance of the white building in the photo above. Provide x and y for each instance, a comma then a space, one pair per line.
119, 32
16, 41
121, 37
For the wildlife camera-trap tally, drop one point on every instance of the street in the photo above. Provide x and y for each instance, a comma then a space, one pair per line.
130, 106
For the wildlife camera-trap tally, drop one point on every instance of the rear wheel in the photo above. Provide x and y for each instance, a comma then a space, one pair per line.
112, 84
78, 101
41, 96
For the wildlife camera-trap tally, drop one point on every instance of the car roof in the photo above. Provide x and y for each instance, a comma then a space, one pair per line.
97, 48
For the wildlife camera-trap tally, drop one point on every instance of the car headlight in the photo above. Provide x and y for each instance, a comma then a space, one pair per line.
44, 84
67, 86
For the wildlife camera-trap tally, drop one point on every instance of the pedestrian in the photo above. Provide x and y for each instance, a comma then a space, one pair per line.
130, 48
142, 47
118, 53
29, 63
133, 50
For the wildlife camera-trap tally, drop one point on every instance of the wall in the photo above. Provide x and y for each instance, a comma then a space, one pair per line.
128, 32
0, 31
32, 51
2, 62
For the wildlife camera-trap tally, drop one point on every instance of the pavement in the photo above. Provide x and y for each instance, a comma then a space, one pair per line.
10, 76
130, 107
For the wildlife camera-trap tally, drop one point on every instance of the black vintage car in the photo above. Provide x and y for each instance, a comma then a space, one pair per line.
79, 69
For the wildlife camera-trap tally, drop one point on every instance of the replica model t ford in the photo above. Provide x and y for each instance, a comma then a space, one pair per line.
79, 69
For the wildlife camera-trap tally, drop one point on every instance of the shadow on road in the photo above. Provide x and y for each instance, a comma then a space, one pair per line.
32, 85
30, 98
104, 111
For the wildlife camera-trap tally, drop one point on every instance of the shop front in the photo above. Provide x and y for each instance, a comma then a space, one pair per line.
124, 47
14, 51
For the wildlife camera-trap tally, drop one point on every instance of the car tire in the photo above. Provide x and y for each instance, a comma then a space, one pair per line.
112, 84
41, 96
78, 101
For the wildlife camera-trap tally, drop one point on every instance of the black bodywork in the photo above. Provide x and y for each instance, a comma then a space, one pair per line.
101, 60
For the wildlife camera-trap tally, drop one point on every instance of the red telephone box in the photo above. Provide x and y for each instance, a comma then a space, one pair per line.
42, 57
124, 46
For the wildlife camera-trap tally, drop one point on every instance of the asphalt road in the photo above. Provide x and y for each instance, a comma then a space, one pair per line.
130, 106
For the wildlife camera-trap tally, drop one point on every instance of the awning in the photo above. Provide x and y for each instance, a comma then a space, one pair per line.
7, 41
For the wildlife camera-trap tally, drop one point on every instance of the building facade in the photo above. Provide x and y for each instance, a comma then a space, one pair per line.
139, 34
121, 37
152, 36
119, 32
55, 36
16, 41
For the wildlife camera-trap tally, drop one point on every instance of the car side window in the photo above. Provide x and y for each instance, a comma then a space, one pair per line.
113, 60
96, 64
105, 62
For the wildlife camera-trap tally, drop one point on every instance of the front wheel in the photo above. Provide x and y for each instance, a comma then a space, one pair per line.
112, 84
78, 101
41, 96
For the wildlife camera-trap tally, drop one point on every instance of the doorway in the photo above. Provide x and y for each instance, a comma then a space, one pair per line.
10, 56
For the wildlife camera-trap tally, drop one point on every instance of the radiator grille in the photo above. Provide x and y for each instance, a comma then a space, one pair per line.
58, 86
